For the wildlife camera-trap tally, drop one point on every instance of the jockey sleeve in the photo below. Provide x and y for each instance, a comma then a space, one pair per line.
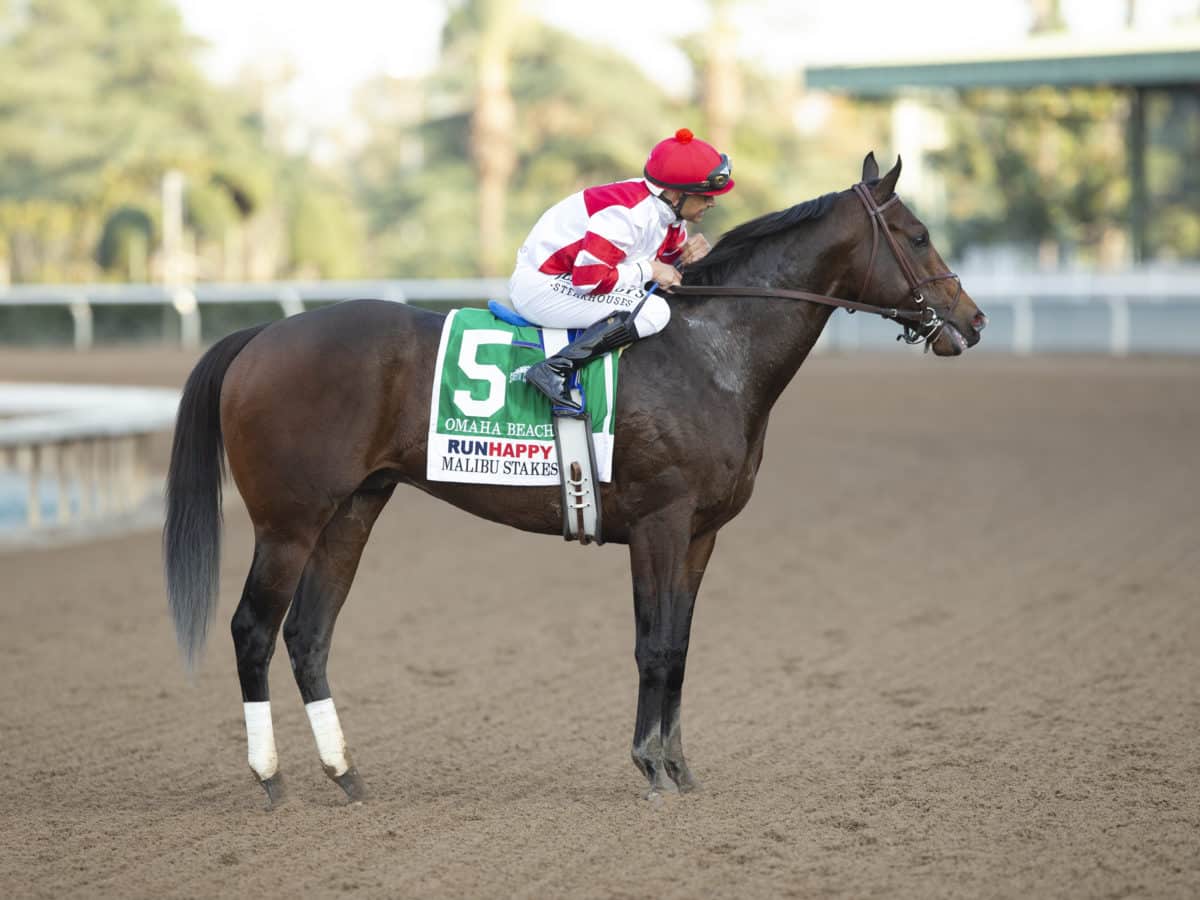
605, 237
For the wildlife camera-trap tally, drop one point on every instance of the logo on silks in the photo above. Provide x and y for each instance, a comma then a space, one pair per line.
487, 426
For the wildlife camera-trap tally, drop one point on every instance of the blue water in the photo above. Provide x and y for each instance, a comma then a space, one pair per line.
14, 491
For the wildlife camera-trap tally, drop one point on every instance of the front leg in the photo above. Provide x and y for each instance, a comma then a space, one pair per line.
667, 565
699, 552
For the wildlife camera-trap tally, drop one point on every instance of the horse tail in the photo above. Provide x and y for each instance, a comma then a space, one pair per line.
192, 533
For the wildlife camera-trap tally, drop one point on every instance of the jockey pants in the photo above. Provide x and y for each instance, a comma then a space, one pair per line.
552, 301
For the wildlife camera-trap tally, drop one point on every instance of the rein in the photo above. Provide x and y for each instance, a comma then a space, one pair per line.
921, 324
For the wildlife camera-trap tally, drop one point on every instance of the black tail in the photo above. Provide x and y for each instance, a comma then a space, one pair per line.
192, 534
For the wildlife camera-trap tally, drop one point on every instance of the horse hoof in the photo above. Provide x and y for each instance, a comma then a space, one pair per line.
351, 782
274, 788
685, 782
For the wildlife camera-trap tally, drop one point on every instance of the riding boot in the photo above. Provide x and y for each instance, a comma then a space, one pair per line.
552, 375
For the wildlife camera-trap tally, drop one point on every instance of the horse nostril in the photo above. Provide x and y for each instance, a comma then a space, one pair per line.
979, 322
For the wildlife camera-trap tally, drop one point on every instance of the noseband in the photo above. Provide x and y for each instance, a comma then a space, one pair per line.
932, 322
921, 324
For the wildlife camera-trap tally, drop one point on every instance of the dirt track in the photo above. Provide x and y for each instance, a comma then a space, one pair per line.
950, 649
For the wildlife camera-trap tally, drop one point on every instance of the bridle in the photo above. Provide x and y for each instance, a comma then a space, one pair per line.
936, 321
921, 324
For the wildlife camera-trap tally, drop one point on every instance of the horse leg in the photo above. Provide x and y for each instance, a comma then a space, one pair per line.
663, 559
274, 574
308, 630
698, 554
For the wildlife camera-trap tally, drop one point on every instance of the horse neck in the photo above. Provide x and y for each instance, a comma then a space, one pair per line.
765, 340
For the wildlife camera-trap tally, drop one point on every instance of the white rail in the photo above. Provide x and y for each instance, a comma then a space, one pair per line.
1143, 310
88, 441
1120, 313
291, 296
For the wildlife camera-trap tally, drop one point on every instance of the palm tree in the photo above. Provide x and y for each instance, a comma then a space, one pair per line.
493, 123
722, 83
1047, 16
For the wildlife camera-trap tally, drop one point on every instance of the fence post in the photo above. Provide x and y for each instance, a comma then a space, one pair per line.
1119, 326
57, 458
1022, 326
291, 301
81, 314
184, 301
30, 463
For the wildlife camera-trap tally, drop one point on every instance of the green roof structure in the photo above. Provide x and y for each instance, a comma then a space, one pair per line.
1131, 59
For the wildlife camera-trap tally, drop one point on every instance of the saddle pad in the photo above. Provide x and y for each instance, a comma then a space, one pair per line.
486, 425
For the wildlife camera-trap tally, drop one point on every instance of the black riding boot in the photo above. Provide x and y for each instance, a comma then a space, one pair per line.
550, 376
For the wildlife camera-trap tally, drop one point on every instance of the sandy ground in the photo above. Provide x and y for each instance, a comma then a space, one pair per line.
949, 650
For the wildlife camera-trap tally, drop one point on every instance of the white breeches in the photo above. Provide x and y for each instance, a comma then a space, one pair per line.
552, 301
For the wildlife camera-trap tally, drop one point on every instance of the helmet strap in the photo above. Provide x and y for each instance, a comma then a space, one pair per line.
677, 206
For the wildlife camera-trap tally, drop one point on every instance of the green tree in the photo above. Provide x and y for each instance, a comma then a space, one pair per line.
574, 125
1049, 168
98, 99
493, 127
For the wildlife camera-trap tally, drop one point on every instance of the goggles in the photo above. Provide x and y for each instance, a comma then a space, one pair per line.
714, 181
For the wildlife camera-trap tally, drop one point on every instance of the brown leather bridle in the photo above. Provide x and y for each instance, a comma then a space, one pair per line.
921, 324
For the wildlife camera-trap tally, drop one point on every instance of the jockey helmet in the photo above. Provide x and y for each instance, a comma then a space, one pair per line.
686, 163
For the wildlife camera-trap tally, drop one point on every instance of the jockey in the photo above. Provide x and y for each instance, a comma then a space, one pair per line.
590, 259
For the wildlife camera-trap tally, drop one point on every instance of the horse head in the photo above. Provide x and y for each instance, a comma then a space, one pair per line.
908, 272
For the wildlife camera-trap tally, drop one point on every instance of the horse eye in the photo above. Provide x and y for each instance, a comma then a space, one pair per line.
921, 240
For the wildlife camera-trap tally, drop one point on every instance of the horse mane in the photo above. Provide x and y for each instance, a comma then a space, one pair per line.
734, 244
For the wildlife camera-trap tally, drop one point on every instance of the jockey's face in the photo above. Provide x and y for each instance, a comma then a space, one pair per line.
695, 206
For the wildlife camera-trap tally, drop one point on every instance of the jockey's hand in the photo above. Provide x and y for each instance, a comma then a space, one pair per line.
664, 274
694, 248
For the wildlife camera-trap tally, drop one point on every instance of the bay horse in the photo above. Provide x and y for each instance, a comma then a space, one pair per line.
321, 415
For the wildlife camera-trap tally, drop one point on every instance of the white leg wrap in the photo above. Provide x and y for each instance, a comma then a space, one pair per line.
331, 745
260, 739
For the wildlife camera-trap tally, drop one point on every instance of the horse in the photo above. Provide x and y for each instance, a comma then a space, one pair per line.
320, 416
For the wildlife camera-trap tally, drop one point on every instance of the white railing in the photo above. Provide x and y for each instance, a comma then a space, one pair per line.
291, 296
1122, 293
1133, 311
87, 444
1138, 311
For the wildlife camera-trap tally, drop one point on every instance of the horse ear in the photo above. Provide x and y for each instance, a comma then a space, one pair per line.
870, 167
887, 184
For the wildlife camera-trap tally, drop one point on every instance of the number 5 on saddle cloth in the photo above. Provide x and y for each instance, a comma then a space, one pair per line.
487, 426
576, 452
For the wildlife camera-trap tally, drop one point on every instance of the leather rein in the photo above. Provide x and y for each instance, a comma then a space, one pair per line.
921, 324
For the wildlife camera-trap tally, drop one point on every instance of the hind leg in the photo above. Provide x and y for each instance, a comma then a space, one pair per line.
274, 574
309, 627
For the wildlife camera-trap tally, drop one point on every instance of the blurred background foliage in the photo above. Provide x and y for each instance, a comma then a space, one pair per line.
100, 98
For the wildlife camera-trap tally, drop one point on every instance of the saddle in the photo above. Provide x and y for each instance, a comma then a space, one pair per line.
579, 474
506, 312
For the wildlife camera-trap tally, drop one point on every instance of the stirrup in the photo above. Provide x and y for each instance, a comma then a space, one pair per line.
610, 333
558, 392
